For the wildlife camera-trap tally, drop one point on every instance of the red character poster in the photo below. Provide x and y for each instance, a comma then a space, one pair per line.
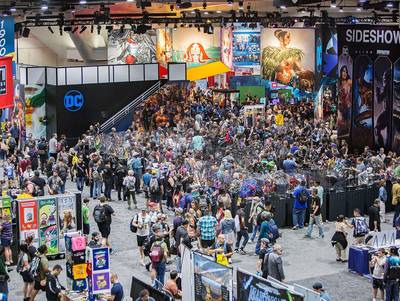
28, 222
6, 83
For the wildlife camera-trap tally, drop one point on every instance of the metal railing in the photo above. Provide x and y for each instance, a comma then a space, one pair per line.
108, 124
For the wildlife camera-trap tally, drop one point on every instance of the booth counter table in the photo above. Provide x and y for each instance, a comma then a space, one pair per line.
359, 260
76, 296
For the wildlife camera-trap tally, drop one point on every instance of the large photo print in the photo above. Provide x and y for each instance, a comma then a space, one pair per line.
288, 57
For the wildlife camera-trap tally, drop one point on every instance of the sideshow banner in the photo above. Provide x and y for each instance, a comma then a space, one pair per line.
345, 98
329, 52
100, 259
195, 48
212, 281
288, 57
48, 230
382, 100
35, 111
28, 223
101, 282
361, 133
246, 48
127, 47
396, 108
164, 46
253, 288
226, 46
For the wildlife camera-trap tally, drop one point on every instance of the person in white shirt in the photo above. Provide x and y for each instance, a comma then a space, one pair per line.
142, 222
53, 146
28, 173
378, 262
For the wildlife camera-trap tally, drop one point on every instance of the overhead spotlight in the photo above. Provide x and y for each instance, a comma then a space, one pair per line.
283, 7
13, 9
83, 28
129, 0
50, 29
358, 6
219, 12
98, 29
333, 3
82, 2
91, 28
75, 29
204, 5
389, 4
44, 6
206, 12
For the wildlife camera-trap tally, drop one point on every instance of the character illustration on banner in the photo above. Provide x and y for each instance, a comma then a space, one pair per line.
35, 113
283, 64
345, 85
364, 98
195, 53
48, 215
49, 236
164, 46
135, 48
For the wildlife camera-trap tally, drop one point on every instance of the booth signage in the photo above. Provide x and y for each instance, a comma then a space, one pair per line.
73, 100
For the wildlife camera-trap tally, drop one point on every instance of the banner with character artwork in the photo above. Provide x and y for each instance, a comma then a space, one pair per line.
48, 229
28, 222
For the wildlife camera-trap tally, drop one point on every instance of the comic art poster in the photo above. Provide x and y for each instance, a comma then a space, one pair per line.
345, 95
49, 236
288, 57
35, 112
226, 46
101, 282
127, 47
164, 46
382, 100
66, 206
253, 288
47, 212
246, 48
196, 48
212, 281
28, 223
100, 259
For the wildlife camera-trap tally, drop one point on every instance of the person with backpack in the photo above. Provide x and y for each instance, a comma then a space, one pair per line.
39, 267
62, 169
6, 235
158, 254
268, 229
129, 188
274, 264
315, 216
255, 216
155, 189
141, 224
24, 259
265, 248
4, 277
301, 197
102, 216
391, 277
360, 227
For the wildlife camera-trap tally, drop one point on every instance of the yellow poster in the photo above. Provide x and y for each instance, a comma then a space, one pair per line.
79, 271
279, 119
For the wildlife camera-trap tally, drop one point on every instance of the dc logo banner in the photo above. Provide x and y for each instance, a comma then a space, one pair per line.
73, 100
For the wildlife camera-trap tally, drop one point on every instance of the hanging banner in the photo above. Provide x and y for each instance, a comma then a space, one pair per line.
246, 49
396, 108
164, 46
382, 100
345, 98
253, 288
48, 229
28, 223
7, 46
6, 83
226, 46
288, 57
212, 281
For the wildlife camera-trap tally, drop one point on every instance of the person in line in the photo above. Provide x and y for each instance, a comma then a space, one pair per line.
54, 290
378, 262
172, 287
85, 216
207, 225
159, 254
102, 215
315, 216
317, 287
117, 291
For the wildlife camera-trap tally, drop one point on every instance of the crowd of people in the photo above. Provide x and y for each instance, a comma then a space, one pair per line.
202, 162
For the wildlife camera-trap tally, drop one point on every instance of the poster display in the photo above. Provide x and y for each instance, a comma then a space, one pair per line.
100, 259
226, 46
246, 48
361, 133
48, 229
253, 288
382, 100
345, 98
66, 203
195, 48
164, 46
396, 107
101, 282
127, 47
35, 111
6, 82
288, 57
212, 281
28, 223
7, 43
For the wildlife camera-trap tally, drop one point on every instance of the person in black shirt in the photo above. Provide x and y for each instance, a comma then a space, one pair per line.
54, 290
39, 182
81, 173
108, 180
374, 218
42, 152
315, 216
105, 226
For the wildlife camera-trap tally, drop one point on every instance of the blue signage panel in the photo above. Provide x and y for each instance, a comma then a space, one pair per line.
73, 100
7, 46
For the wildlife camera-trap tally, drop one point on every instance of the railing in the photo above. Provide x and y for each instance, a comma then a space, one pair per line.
108, 124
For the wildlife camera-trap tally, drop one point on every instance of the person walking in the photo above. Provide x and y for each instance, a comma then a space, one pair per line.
54, 290
378, 262
129, 188
374, 216
392, 275
339, 238
275, 264
4, 277
159, 254
41, 271
301, 197
360, 227
85, 216
80, 173
241, 230
315, 216
102, 216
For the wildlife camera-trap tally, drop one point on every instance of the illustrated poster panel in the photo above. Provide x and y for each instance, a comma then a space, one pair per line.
226, 46
345, 95
382, 100
196, 48
101, 259
49, 236
361, 132
66, 205
28, 223
127, 47
246, 46
288, 57
396, 108
101, 282
164, 46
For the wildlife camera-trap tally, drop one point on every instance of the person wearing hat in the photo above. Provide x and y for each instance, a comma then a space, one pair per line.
317, 287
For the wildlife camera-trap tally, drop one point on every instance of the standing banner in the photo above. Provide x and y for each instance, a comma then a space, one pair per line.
48, 228
246, 49
396, 107
6, 83
253, 288
28, 223
382, 100
212, 281
226, 46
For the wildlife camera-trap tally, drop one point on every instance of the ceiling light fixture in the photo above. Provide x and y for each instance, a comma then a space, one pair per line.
333, 3
82, 2
283, 7
13, 9
44, 7
389, 4
219, 12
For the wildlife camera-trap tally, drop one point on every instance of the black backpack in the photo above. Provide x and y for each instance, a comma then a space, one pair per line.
34, 267
99, 214
133, 227
303, 196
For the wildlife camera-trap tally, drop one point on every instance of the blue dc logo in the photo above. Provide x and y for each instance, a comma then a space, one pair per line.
73, 100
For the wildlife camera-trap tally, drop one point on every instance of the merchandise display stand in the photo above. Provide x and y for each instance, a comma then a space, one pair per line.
98, 272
